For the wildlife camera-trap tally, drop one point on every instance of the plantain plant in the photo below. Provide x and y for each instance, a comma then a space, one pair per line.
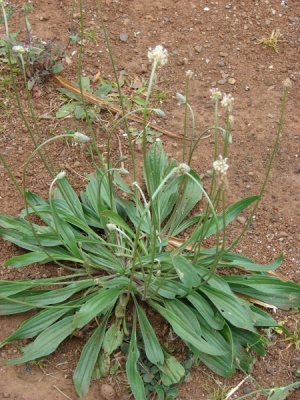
124, 258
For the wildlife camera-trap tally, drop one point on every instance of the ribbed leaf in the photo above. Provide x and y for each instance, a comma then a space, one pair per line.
39, 322
71, 198
134, 379
168, 289
237, 260
66, 233
211, 227
113, 337
269, 289
104, 299
47, 342
27, 259
229, 306
171, 371
186, 271
261, 318
205, 309
185, 333
152, 347
185, 314
84, 369
190, 194
23, 240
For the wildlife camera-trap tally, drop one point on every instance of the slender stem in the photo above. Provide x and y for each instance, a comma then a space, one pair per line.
262, 190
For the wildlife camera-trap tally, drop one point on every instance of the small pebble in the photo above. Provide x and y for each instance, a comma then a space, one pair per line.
198, 49
77, 164
270, 370
107, 392
241, 220
247, 390
123, 37
231, 81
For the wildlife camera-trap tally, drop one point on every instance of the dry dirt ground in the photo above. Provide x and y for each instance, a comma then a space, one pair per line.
218, 41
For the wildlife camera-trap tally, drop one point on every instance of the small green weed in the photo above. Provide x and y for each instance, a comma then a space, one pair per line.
271, 41
36, 58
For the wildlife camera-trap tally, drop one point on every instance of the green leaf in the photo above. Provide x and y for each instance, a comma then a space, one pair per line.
79, 112
39, 322
73, 205
47, 342
134, 379
167, 288
186, 333
171, 371
103, 91
152, 347
269, 289
229, 306
84, 369
205, 309
211, 226
185, 314
186, 271
27, 259
85, 83
65, 110
113, 337
237, 260
57, 68
66, 233
190, 193
105, 298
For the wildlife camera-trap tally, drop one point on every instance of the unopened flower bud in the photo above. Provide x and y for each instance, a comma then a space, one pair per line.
182, 169
181, 98
111, 227
80, 138
123, 171
159, 112
19, 49
60, 175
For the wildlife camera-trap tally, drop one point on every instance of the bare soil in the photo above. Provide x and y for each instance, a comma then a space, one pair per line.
218, 41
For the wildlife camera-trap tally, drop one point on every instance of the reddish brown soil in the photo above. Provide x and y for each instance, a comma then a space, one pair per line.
216, 44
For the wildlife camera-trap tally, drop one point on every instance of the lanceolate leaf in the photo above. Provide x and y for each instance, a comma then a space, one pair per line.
172, 371
47, 342
83, 372
186, 333
269, 289
134, 379
211, 227
237, 260
104, 299
185, 314
229, 306
152, 347
113, 337
206, 310
39, 322
186, 271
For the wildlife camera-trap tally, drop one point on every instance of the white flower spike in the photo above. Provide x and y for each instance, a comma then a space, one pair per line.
221, 165
158, 54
